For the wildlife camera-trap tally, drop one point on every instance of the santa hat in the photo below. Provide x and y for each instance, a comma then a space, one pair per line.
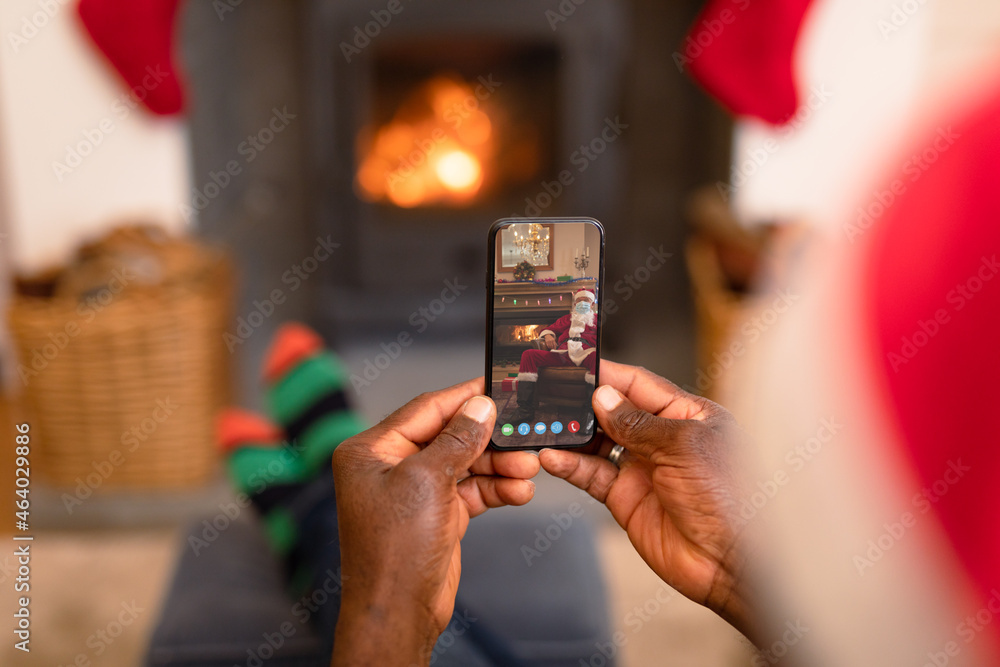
912, 347
584, 292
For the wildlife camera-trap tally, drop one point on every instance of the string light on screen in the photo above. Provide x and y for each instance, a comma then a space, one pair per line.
527, 302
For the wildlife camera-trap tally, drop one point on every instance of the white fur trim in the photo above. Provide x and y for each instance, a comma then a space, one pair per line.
527, 377
589, 377
544, 333
576, 352
586, 292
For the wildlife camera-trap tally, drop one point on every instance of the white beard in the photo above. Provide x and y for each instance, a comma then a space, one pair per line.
578, 322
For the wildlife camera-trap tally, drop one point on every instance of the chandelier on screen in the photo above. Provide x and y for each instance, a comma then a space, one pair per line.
533, 246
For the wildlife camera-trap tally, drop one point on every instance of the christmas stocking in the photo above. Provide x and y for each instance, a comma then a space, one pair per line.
741, 52
137, 37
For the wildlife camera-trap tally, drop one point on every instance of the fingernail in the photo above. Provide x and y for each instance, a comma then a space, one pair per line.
478, 408
608, 397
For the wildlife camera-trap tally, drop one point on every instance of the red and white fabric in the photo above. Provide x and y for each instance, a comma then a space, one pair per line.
875, 408
567, 352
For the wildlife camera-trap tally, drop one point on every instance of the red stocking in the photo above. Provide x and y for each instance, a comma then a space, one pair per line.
137, 36
741, 52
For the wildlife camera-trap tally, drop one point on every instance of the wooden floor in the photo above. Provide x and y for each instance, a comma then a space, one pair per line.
506, 404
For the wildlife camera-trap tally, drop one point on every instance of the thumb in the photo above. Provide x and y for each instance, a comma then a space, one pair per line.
465, 437
635, 429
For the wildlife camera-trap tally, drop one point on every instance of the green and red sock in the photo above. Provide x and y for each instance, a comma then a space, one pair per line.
305, 395
263, 468
276, 464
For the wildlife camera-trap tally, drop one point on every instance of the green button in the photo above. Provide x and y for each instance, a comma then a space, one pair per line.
507, 429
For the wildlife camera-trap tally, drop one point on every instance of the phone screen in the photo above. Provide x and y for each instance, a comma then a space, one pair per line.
544, 330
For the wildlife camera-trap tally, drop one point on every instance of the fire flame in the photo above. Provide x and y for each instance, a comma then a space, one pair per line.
434, 150
525, 333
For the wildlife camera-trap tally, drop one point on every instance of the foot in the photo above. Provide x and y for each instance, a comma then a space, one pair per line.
276, 463
305, 394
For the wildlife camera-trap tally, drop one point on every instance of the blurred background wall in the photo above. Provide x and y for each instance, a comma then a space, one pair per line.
56, 96
263, 56
78, 155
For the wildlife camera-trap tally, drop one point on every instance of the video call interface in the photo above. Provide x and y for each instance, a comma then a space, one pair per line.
545, 333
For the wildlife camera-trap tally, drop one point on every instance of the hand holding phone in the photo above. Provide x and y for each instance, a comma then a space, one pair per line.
545, 280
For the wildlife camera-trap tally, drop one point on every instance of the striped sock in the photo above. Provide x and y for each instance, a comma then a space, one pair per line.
264, 469
284, 467
305, 394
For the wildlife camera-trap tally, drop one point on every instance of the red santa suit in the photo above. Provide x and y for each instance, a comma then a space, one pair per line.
576, 336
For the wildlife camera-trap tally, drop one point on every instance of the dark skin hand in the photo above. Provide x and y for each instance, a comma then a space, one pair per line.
406, 490
676, 492
404, 505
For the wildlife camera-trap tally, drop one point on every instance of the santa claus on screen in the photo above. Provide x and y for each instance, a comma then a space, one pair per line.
569, 341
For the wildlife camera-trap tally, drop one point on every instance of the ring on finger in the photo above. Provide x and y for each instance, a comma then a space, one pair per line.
615, 455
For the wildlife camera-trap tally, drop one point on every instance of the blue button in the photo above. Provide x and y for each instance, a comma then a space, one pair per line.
523, 429
556, 427
540, 428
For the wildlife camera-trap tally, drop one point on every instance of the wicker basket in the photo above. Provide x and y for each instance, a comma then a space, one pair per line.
122, 388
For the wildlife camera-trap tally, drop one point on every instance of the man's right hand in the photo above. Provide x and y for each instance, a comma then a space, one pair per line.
549, 341
675, 494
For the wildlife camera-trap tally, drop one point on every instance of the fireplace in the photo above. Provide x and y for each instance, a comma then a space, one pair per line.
431, 122
510, 341
457, 133
512, 334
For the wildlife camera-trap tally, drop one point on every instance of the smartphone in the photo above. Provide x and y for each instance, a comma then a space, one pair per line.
545, 279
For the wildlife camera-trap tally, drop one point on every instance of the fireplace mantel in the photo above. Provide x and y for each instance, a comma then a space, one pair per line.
520, 300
